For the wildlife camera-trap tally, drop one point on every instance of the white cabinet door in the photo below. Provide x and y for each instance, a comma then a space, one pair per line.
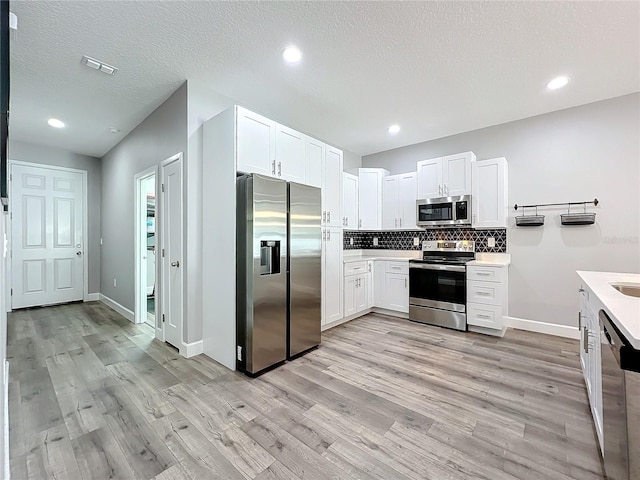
490, 195
430, 178
290, 154
397, 292
314, 159
350, 201
456, 174
332, 187
350, 294
370, 198
362, 293
407, 196
332, 274
256, 143
390, 211
379, 297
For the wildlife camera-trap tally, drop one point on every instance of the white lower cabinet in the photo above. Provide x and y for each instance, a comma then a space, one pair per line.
487, 298
590, 358
332, 266
391, 285
357, 281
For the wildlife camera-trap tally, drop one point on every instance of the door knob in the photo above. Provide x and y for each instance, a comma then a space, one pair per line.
175, 264
78, 253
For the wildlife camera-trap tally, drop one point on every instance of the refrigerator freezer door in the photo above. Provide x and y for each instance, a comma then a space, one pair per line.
305, 267
262, 323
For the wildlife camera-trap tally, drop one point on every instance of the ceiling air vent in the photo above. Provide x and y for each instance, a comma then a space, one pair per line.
98, 65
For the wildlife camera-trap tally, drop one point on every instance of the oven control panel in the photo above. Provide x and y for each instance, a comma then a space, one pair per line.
448, 246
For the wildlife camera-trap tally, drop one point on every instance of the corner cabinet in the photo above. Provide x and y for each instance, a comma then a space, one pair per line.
370, 197
391, 285
350, 201
399, 195
447, 176
489, 199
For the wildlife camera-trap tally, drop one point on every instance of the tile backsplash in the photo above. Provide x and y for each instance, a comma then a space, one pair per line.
403, 240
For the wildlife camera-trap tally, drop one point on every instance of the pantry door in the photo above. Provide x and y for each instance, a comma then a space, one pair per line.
47, 235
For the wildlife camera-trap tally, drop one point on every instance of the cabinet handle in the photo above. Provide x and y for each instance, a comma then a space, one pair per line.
324, 216
328, 235
395, 221
279, 169
585, 339
484, 294
579, 320
482, 274
369, 267
445, 189
360, 223
328, 217
405, 283
479, 315
400, 222
273, 167
439, 188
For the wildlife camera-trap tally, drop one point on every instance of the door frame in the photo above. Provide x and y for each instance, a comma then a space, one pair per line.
86, 297
140, 310
160, 331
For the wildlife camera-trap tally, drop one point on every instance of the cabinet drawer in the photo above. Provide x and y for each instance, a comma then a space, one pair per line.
485, 274
487, 293
354, 268
397, 267
487, 316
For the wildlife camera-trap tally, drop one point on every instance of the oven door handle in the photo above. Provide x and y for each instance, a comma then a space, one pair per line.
446, 268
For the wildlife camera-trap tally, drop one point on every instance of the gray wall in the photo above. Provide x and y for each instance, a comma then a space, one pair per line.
161, 135
570, 155
350, 160
27, 152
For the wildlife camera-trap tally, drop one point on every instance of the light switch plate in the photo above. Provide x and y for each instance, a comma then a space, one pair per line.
416, 241
491, 242
375, 241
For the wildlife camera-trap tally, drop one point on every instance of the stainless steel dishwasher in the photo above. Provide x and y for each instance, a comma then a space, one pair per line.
620, 404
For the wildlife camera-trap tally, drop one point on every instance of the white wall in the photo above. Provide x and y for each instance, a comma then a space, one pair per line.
570, 155
27, 152
159, 136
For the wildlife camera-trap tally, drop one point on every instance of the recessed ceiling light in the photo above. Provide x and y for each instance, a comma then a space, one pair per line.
292, 54
558, 82
114, 130
55, 123
393, 129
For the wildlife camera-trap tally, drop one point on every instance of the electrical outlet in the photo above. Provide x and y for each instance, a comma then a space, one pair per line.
416, 241
351, 241
491, 242
375, 241
115, 282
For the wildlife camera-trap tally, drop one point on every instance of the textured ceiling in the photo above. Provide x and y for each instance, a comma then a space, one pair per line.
436, 68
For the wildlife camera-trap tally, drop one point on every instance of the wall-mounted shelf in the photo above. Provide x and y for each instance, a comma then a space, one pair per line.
568, 218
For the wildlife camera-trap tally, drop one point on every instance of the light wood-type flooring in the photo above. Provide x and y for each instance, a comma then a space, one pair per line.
93, 396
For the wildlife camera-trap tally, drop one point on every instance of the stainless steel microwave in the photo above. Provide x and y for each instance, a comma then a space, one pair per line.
444, 211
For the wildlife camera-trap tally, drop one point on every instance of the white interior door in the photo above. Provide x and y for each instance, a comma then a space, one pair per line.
171, 254
46, 236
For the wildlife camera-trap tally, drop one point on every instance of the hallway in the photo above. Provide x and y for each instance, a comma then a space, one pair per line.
93, 396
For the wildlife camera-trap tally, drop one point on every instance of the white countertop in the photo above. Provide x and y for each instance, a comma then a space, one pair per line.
623, 310
491, 260
391, 255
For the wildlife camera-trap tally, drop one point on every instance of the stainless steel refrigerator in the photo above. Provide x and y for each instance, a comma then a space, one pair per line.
278, 261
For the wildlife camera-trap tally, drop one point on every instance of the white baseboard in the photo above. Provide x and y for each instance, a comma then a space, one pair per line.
124, 311
543, 327
191, 349
92, 297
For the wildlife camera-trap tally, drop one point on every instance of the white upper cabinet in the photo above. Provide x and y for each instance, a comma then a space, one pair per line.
456, 174
256, 143
490, 193
314, 160
332, 188
390, 207
370, 197
399, 194
448, 176
290, 154
430, 178
350, 201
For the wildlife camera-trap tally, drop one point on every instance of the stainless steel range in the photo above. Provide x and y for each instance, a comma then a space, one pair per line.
438, 284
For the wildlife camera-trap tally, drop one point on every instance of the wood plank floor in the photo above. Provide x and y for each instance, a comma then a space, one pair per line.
92, 396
